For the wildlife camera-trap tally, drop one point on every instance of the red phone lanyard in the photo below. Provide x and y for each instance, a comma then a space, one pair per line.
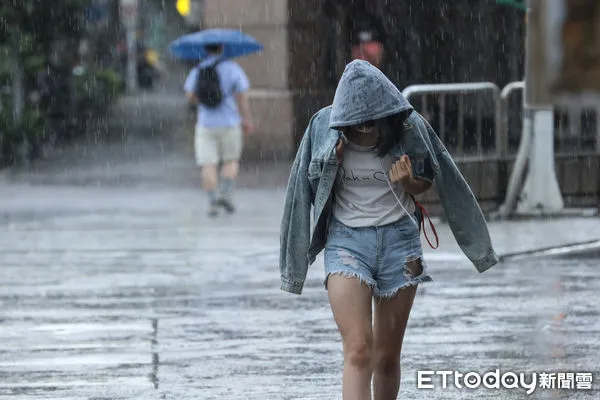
425, 214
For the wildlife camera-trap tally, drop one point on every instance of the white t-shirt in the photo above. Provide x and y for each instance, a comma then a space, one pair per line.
362, 194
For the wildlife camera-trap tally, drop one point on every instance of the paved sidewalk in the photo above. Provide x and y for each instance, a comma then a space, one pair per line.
266, 205
134, 294
115, 285
523, 236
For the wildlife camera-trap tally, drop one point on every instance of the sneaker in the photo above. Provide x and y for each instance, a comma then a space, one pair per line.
227, 205
213, 210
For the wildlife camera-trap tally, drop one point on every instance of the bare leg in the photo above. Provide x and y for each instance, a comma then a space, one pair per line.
351, 305
391, 317
210, 177
230, 169
210, 180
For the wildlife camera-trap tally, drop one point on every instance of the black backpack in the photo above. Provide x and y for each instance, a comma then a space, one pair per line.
208, 86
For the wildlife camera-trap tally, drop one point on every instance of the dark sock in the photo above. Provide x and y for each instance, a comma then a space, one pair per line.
226, 186
212, 196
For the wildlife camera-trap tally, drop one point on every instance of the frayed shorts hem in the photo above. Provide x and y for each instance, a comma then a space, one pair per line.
390, 293
351, 275
372, 284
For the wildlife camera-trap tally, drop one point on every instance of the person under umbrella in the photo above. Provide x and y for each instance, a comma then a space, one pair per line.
219, 87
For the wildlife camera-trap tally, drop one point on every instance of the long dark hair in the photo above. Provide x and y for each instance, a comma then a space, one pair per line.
389, 132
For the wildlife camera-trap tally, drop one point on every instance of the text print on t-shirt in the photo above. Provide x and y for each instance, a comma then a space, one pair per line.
369, 176
364, 177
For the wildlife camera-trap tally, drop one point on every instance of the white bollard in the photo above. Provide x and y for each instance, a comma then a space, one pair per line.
541, 193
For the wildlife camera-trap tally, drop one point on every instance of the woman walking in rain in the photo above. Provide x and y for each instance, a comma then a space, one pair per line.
358, 166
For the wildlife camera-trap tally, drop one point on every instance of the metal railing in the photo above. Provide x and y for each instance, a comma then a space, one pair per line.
511, 128
577, 130
464, 115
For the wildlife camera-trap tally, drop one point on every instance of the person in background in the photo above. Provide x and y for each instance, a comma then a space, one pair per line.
219, 130
368, 39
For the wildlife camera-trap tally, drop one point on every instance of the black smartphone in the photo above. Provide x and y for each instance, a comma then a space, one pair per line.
418, 163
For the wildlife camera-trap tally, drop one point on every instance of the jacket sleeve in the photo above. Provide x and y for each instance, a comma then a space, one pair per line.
461, 208
295, 222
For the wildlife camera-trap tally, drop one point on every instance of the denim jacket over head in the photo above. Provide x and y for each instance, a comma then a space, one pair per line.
364, 93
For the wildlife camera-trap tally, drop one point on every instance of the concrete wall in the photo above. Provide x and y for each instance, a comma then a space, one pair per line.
271, 97
286, 80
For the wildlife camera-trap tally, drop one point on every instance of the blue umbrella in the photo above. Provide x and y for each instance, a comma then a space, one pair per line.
235, 44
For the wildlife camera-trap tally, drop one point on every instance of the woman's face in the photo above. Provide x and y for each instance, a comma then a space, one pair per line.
365, 129
383, 134
364, 134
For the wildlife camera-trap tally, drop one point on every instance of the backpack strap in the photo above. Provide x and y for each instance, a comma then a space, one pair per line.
218, 61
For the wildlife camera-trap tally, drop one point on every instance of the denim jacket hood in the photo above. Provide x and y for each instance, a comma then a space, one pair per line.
364, 93
313, 174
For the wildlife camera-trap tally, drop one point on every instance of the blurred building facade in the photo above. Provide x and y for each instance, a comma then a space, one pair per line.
307, 44
578, 49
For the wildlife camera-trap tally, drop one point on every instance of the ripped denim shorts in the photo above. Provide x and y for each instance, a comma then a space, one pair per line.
387, 258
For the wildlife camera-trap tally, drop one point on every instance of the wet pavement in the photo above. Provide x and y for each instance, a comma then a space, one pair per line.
135, 294
123, 289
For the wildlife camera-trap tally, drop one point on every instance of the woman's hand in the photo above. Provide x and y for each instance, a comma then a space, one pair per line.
401, 171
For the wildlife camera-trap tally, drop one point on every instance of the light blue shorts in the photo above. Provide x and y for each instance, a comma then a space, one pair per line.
387, 258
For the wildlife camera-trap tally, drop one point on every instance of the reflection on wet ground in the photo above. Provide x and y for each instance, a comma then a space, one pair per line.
161, 303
